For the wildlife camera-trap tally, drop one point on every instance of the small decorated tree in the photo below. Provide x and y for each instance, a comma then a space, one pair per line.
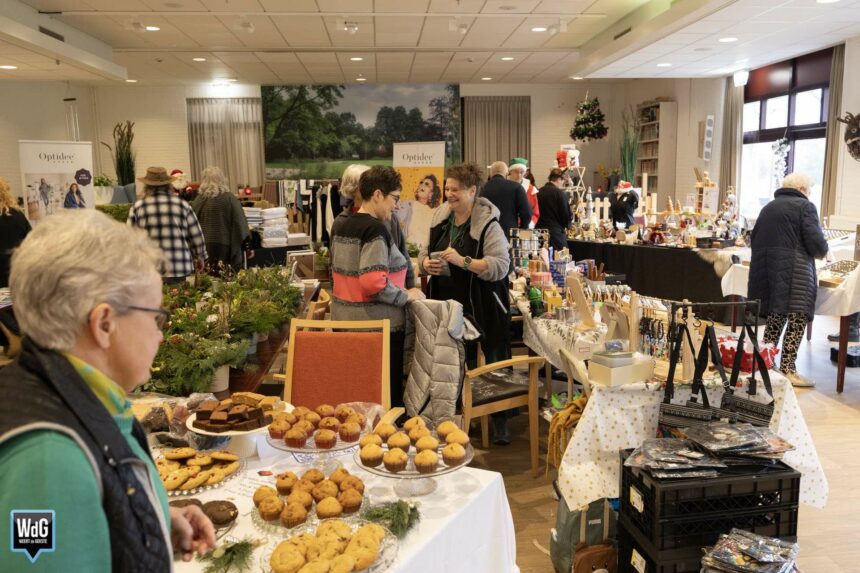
589, 123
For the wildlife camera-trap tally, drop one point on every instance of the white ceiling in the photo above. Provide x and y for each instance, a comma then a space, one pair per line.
302, 41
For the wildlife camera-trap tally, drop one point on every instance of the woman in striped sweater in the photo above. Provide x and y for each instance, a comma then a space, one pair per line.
368, 270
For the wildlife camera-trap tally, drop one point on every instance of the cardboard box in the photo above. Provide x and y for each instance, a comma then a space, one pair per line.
641, 370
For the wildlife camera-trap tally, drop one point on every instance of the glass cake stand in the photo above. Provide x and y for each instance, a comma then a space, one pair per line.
412, 483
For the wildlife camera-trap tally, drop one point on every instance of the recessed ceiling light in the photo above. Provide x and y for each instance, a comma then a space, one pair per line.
664, 65
539, 29
486, 79
827, 1
152, 28
728, 40
199, 59
356, 59
361, 79
131, 81
576, 77
507, 59
8, 67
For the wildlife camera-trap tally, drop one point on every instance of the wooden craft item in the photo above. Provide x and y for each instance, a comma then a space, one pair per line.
583, 306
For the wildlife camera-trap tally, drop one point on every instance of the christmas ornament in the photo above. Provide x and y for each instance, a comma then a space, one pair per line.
589, 123
852, 133
780, 149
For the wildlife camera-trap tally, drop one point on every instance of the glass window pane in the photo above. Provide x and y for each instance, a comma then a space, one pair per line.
752, 114
809, 159
777, 112
807, 107
757, 181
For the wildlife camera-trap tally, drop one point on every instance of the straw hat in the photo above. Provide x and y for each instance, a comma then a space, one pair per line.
156, 177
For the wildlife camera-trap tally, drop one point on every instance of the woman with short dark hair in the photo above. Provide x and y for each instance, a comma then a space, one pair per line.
555, 215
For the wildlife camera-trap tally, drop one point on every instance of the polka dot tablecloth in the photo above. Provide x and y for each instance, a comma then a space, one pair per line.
624, 416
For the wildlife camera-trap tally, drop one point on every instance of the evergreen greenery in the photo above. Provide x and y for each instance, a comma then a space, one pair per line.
629, 147
589, 123
118, 211
123, 156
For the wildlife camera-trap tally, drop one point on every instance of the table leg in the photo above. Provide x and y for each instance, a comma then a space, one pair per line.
548, 377
844, 322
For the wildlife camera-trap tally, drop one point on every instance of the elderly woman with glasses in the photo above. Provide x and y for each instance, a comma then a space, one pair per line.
87, 294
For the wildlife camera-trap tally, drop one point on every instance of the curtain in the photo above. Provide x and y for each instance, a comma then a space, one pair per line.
831, 152
733, 138
227, 133
496, 128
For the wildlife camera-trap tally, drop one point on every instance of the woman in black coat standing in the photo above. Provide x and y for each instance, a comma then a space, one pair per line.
555, 214
786, 240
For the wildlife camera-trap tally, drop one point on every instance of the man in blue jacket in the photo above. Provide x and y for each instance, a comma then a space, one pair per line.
508, 196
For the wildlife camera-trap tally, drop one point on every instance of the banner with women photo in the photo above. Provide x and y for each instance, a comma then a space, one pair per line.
56, 175
422, 169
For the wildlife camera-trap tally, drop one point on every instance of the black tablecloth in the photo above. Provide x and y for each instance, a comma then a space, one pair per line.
272, 257
661, 272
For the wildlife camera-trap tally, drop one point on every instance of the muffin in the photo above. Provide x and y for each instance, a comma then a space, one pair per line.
350, 500
394, 460
349, 431
453, 454
304, 426
342, 413
324, 489
287, 417
368, 439
278, 428
325, 439
427, 443
359, 419
303, 498
338, 475
329, 507
458, 437
399, 440
313, 475
312, 418
385, 430
417, 433
371, 455
445, 428
304, 485
262, 493
414, 422
296, 438
352, 482
286, 558
425, 462
300, 411
330, 423
325, 410
294, 514
284, 482
271, 508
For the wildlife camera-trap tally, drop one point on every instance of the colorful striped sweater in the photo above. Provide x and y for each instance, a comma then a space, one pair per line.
368, 272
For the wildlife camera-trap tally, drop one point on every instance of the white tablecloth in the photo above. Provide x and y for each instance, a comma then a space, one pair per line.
466, 524
545, 336
623, 416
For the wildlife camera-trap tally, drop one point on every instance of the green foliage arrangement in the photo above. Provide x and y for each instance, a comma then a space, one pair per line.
122, 153
102, 181
118, 211
396, 516
414, 249
629, 146
230, 556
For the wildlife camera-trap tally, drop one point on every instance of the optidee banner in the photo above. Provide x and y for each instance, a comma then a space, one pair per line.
56, 175
422, 169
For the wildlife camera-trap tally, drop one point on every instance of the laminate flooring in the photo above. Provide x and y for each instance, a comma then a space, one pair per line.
829, 537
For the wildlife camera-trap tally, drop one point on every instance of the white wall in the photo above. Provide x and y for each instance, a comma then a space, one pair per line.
848, 169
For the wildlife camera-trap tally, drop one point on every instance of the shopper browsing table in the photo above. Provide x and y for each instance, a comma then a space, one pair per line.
786, 240
555, 215
509, 197
222, 219
87, 294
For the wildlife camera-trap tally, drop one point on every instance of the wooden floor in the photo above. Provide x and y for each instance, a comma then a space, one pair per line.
829, 538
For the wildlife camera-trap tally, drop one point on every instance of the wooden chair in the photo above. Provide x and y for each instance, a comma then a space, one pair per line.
317, 309
492, 388
332, 361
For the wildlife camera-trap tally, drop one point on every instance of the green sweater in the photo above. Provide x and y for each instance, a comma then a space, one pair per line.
48, 470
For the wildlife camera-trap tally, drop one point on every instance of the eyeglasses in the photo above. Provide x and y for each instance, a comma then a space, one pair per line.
395, 197
162, 315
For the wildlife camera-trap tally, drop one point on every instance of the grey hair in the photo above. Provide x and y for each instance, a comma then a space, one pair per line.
71, 262
498, 168
349, 179
213, 182
799, 181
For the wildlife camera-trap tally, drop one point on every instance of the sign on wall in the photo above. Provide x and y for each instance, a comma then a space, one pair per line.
422, 170
56, 175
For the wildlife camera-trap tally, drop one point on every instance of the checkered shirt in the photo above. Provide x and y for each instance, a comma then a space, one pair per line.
172, 224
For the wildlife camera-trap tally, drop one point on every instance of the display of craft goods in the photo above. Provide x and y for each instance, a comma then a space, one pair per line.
186, 471
325, 428
242, 412
842, 268
746, 552
294, 500
835, 234
334, 546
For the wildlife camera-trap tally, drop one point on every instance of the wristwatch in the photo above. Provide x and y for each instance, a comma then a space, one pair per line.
466, 262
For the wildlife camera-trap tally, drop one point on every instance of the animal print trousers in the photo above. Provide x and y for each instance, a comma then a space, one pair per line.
794, 324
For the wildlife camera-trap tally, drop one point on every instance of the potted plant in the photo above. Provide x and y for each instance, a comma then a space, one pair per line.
188, 363
629, 146
103, 189
123, 155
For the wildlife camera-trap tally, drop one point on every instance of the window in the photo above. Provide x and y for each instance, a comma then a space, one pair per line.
785, 100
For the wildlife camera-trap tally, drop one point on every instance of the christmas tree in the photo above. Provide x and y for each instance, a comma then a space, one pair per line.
589, 121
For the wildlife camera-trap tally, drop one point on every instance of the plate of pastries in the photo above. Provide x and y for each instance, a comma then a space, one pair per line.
298, 499
186, 471
324, 428
241, 413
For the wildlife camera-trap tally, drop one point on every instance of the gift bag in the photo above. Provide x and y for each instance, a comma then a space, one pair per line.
580, 537
676, 416
748, 410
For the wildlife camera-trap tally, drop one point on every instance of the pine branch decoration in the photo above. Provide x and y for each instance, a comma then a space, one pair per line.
396, 516
230, 557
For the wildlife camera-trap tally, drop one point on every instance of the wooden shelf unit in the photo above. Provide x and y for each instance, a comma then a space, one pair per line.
658, 124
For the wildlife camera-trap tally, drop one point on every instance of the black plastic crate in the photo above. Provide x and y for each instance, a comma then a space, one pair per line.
633, 557
674, 514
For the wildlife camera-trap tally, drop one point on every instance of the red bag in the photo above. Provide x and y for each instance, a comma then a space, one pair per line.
728, 350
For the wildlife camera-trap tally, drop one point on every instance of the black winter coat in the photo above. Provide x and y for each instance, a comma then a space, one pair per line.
785, 241
555, 215
510, 199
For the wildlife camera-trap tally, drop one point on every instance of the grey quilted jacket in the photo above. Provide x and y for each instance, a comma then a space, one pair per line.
436, 358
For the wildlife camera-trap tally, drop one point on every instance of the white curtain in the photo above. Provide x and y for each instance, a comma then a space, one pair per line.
733, 137
834, 137
227, 133
496, 128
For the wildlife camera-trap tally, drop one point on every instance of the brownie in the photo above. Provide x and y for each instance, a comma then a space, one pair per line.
255, 413
244, 426
201, 424
220, 512
225, 404
266, 420
186, 502
238, 413
205, 410
219, 417
218, 428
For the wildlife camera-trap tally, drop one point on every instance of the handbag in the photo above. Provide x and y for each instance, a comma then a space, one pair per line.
710, 344
676, 416
747, 410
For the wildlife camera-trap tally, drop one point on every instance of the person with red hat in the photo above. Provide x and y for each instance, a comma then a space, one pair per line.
182, 187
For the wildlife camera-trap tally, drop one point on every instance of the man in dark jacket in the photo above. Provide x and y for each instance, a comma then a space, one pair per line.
509, 197
555, 212
786, 240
